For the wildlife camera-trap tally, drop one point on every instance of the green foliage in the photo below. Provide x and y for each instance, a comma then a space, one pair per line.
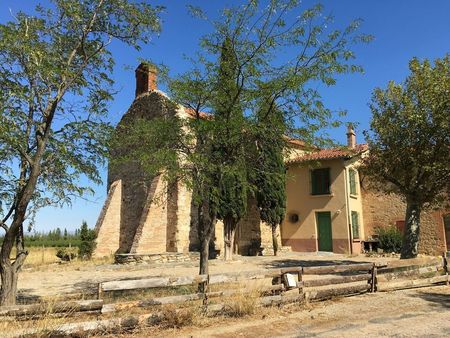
58, 53
410, 133
390, 238
87, 245
230, 187
409, 142
55, 85
269, 174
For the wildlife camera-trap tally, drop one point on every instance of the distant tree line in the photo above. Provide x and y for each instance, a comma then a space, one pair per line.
53, 238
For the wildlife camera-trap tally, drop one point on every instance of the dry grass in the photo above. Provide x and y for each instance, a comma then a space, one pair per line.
175, 318
242, 304
10, 326
43, 256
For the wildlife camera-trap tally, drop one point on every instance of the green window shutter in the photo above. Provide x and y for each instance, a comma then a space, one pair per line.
352, 179
320, 181
314, 182
355, 224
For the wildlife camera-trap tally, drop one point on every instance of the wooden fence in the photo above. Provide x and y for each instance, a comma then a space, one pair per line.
287, 285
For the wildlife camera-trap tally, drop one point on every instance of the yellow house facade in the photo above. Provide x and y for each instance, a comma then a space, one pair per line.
324, 204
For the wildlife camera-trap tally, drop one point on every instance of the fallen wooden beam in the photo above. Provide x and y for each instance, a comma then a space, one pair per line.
389, 286
323, 270
336, 280
50, 308
152, 282
93, 327
329, 293
410, 264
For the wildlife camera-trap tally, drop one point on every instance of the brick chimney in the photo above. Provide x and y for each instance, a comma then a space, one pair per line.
351, 136
146, 76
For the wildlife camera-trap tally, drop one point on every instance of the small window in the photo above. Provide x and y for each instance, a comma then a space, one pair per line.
352, 179
355, 224
320, 180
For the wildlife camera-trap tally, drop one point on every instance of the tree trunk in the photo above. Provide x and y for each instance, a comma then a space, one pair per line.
206, 224
8, 292
274, 239
204, 255
412, 230
229, 229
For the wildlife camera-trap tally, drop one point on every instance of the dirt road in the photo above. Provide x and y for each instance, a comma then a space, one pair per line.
408, 313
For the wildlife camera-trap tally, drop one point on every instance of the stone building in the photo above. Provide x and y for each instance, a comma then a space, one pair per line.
328, 209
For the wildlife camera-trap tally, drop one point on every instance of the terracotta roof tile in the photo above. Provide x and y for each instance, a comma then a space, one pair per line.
330, 154
203, 115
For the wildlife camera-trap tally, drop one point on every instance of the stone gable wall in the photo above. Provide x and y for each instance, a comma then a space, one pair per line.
108, 224
136, 183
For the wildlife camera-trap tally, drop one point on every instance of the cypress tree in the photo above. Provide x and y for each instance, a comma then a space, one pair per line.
229, 192
269, 175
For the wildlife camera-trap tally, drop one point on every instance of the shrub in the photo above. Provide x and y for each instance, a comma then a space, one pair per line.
87, 245
390, 238
65, 254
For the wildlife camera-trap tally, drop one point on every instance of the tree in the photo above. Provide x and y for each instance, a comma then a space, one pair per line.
269, 174
238, 67
229, 192
65, 234
409, 142
87, 244
58, 233
55, 85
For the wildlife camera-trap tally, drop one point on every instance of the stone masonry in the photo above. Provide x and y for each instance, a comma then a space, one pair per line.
389, 209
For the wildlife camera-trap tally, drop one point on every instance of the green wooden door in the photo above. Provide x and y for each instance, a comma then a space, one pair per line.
324, 231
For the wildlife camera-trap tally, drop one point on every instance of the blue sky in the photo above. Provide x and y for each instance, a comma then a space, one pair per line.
402, 29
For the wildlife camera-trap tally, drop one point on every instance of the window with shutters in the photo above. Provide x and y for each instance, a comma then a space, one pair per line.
320, 181
355, 224
352, 180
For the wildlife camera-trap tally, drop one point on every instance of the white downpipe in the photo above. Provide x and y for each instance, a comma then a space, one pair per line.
347, 210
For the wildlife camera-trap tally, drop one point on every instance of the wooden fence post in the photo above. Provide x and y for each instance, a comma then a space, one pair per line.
204, 289
99, 291
373, 282
300, 281
446, 269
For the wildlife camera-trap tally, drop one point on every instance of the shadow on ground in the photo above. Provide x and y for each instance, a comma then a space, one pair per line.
25, 296
437, 299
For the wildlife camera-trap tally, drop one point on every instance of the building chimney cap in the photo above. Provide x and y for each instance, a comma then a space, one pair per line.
147, 67
350, 129
351, 136
146, 77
